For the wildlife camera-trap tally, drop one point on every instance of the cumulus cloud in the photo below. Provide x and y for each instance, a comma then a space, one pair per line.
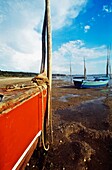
86, 28
20, 30
20, 43
65, 11
76, 51
14, 60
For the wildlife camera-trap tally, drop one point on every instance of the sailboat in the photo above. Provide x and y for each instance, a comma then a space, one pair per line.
79, 79
23, 113
92, 83
108, 66
85, 76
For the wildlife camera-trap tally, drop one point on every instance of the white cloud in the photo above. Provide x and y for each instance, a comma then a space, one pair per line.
20, 30
20, 43
20, 37
107, 8
86, 28
76, 51
19, 61
63, 12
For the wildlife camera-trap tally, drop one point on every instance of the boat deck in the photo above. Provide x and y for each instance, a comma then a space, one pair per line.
14, 93
22, 111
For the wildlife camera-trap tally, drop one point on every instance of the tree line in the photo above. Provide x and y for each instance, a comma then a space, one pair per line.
16, 74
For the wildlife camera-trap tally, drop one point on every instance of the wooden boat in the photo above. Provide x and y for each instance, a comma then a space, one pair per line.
21, 117
80, 77
93, 83
77, 82
102, 78
24, 110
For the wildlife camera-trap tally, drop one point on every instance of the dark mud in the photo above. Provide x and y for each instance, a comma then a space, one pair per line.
87, 113
82, 130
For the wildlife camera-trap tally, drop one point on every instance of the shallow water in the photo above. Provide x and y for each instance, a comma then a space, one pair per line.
65, 98
88, 111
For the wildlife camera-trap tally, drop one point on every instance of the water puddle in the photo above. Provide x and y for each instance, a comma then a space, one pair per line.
65, 98
94, 101
108, 92
91, 113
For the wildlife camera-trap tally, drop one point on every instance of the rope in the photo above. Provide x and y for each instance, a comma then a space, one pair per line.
43, 121
18, 87
51, 126
41, 80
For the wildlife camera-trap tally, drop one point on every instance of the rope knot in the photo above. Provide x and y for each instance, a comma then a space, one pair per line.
41, 79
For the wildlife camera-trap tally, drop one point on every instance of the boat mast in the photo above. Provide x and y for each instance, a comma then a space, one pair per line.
47, 46
70, 71
109, 61
84, 69
44, 41
108, 58
49, 67
47, 27
47, 30
49, 43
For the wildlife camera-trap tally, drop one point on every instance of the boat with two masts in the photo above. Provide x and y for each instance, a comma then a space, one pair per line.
95, 82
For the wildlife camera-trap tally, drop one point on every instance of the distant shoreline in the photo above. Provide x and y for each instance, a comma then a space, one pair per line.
16, 74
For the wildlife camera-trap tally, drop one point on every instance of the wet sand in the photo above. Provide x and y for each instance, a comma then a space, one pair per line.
82, 130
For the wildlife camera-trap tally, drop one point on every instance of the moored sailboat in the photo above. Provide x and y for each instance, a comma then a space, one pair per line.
79, 79
96, 82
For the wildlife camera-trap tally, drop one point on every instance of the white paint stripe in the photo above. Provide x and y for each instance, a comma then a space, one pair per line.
25, 152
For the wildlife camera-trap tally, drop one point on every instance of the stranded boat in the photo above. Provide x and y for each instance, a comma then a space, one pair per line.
24, 109
22, 114
95, 83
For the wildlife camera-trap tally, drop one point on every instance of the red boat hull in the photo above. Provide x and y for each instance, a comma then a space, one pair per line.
20, 128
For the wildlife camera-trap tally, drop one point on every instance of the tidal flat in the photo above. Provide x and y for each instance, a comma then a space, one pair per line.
82, 130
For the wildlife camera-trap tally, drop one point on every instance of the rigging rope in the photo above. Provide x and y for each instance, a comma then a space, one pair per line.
41, 80
46, 148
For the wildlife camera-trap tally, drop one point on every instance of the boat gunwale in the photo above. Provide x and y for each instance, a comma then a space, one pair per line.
11, 104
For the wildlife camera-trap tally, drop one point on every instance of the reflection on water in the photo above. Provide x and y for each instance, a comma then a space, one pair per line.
91, 113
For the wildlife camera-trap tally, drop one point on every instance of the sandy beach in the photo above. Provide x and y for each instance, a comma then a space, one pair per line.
82, 130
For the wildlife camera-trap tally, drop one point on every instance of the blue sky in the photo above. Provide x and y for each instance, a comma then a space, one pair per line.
79, 29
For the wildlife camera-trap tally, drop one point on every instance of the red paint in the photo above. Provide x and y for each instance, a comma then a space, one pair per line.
18, 127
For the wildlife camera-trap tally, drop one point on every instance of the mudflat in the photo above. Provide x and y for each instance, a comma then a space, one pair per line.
82, 130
